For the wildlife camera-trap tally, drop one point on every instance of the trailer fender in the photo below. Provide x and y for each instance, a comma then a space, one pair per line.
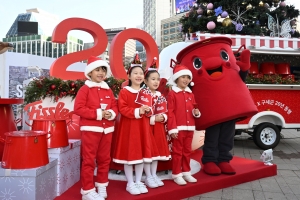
267, 116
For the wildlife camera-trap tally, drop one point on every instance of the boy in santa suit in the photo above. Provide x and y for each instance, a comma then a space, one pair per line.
181, 124
97, 107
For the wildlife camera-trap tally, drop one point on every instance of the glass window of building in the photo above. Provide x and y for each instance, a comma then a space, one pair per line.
172, 37
166, 25
166, 38
172, 30
166, 32
172, 24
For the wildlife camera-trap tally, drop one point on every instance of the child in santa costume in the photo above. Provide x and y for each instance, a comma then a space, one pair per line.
157, 122
135, 143
181, 124
97, 107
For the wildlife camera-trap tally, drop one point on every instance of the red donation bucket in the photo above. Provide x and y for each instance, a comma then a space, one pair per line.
267, 68
25, 149
57, 129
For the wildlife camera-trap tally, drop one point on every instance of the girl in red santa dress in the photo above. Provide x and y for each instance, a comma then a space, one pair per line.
97, 108
157, 122
134, 141
181, 124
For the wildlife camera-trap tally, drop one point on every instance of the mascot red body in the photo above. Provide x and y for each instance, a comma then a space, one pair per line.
222, 97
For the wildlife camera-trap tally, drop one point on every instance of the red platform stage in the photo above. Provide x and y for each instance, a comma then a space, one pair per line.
247, 170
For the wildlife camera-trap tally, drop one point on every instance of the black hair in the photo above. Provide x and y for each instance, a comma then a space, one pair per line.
182, 75
129, 73
150, 72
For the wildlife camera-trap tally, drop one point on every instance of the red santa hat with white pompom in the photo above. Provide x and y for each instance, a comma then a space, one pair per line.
95, 62
180, 70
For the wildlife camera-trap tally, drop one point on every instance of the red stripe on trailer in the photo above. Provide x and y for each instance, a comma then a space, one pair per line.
281, 44
262, 42
290, 44
272, 43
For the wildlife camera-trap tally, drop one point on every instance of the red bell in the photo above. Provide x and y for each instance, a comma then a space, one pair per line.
267, 68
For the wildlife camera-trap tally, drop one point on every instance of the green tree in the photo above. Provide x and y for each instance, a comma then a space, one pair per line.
244, 17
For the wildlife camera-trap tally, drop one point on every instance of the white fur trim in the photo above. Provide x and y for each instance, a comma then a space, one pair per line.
137, 113
101, 184
157, 93
197, 115
98, 129
91, 84
99, 114
152, 120
166, 117
113, 114
84, 192
133, 162
109, 130
98, 63
130, 89
134, 65
177, 89
181, 73
192, 83
186, 128
173, 131
186, 173
176, 175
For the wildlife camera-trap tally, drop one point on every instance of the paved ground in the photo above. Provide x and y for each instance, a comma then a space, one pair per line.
285, 185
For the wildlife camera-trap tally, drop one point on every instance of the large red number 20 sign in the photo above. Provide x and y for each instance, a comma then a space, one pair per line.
59, 67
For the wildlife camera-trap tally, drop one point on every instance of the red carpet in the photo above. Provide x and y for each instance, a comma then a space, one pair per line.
247, 170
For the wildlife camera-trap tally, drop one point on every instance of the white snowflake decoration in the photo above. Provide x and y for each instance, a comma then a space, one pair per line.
238, 15
26, 185
276, 30
42, 186
7, 194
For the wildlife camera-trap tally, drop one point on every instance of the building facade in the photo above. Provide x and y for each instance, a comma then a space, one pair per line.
171, 31
40, 44
129, 47
154, 11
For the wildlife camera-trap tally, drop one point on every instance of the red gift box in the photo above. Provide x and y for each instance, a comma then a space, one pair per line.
144, 97
160, 106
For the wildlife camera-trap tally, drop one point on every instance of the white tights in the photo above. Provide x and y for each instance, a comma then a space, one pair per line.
150, 168
128, 169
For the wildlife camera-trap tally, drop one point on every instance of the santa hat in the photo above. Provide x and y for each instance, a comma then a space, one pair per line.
153, 66
136, 61
93, 63
180, 70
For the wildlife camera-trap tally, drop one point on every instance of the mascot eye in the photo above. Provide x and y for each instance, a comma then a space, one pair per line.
197, 63
224, 55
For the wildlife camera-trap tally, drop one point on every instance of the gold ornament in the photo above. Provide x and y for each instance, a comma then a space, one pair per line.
261, 3
249, 7
190, 29
210, 12
226, 22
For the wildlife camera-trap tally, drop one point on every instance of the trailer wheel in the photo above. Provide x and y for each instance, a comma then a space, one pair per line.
266, 136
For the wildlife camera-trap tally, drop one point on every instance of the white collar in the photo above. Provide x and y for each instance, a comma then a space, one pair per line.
157, 94
91, 84
177, 89
130, 89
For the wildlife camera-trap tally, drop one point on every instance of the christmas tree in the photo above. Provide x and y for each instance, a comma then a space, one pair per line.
245, 17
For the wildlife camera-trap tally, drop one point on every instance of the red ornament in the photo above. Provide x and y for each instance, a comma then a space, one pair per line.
72, 85
52, 87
